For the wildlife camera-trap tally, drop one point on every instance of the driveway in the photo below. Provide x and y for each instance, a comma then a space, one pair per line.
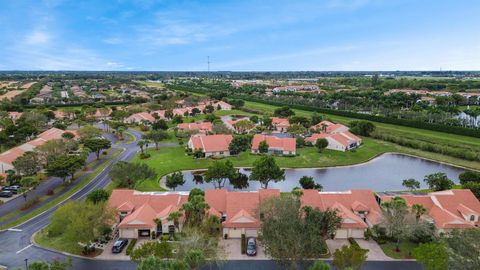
375, 252
232, 248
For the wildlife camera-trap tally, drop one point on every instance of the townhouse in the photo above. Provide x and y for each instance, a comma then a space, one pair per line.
280, 124
338, 136
447, 210
211, 145
8, 157
200, 127
141, 117
141, 214
276, 145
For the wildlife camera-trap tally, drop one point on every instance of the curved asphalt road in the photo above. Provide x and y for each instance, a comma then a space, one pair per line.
15, 244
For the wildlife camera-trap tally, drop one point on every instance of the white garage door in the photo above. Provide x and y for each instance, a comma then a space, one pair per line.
234, 233
357, 233
251, 233
127, 233
341, 234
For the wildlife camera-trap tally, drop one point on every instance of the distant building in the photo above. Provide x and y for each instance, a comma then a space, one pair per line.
280, 124
296, 88
201, 127
338, 136
141, 117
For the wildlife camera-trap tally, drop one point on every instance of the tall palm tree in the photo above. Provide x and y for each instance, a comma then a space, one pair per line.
175, 217
418, 210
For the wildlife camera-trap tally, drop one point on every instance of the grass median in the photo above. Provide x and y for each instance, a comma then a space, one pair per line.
62, 197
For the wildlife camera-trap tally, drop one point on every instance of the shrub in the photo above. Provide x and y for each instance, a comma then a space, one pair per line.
50, 192
423, 233
104, 153
225, 236
243, 244
30, 203
469, 176
131, 245
368, 234
88, 249
144, 155
353, 242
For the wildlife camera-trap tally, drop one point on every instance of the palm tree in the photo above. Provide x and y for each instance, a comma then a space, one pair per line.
141, 144
418, 210
175, 217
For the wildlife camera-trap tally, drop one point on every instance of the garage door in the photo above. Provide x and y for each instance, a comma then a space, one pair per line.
251, 233
127, 233
234, 233
357, 233
341, 234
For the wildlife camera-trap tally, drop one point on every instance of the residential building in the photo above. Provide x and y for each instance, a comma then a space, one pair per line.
222, 105
276, 145
211, 145
296, 88
141, 117
201, 127
358, 209
448, 210
141, 214
343, 141
280, 124
137, 211
15, 115
238, 209
7, 157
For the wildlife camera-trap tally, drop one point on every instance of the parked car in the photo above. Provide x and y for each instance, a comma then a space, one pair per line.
13, 189
251, 246
6, 194
119, 245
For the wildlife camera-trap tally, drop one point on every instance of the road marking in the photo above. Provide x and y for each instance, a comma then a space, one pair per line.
14, 230
23, 249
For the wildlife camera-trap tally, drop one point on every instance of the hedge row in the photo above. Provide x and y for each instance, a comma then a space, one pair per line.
430, 147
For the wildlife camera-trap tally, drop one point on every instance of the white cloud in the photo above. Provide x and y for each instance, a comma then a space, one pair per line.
38, 37
113, 40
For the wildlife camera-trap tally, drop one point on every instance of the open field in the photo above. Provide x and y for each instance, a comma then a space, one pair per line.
11, 94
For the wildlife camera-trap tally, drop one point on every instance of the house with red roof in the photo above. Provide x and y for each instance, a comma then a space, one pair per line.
338, 136
141, 214
358, 209
448, 209
342, 141
7, 157
15, 115
137, 211
238, 209
276, 145
141, 117
222, 105
201, 127
280, 124
211, 145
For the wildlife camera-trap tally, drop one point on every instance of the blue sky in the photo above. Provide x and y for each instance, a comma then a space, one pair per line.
247, 35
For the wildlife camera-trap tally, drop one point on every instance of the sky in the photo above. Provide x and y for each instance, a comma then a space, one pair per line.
246, 35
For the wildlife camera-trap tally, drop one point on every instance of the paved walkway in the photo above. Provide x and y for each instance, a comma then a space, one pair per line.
375, 252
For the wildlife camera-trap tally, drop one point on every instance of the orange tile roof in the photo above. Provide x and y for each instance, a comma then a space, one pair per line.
447, 208
211, 143
285, 144
280, 122
10, 155
142, 116
317, 136
202, 126
347, 203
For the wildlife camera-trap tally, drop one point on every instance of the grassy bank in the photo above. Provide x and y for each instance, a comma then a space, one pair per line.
77, 186
57, 243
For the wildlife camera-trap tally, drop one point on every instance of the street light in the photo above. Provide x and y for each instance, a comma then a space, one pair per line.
26, 264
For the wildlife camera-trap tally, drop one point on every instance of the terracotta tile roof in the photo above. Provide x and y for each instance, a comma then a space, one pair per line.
347, 203
446, 208
15, 115
285, 144
10, 155
317, 136
202, 126
211, 143
280, 122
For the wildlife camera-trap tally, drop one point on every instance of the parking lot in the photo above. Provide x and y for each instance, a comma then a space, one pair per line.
232, 249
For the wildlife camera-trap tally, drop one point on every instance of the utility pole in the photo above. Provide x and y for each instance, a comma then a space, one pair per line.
208, 63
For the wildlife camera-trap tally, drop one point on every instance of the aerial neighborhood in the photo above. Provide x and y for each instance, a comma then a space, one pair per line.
249, 170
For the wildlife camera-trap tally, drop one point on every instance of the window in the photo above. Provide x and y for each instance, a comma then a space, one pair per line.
472, 218
221, 153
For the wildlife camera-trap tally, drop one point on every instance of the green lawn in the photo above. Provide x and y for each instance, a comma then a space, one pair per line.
406, 249
56, 243
432, 135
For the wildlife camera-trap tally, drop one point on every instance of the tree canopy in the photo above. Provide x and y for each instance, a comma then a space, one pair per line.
126, 174
266, 170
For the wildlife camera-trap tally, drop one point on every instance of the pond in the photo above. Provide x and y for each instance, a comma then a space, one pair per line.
384, 173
